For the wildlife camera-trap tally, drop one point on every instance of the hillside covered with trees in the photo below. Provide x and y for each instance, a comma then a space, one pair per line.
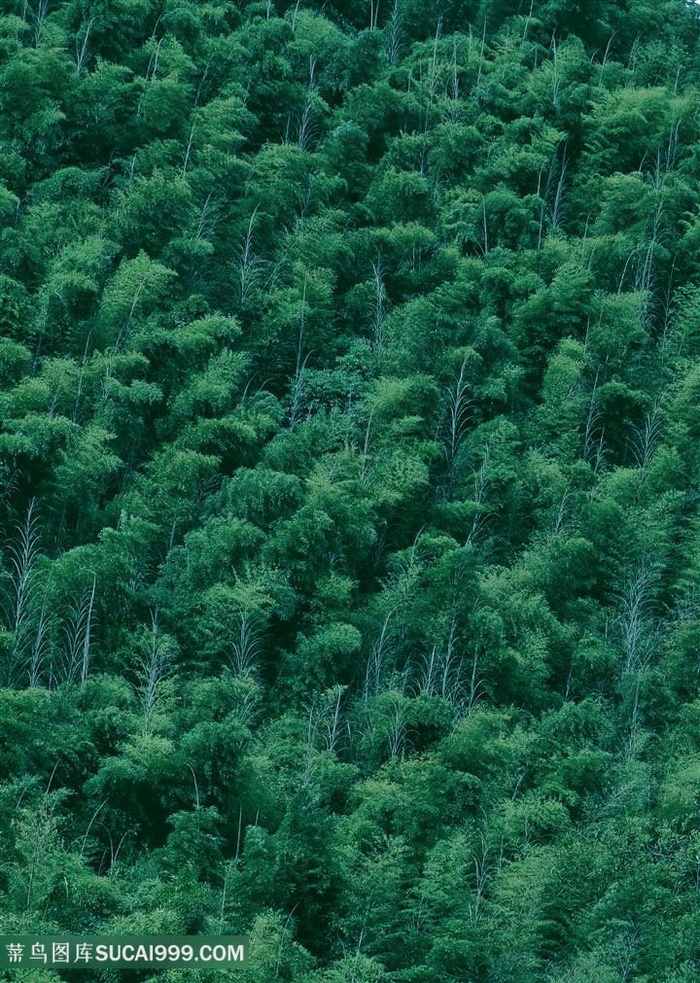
349, 484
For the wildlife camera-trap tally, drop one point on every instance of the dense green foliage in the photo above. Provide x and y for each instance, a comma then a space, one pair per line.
349, 468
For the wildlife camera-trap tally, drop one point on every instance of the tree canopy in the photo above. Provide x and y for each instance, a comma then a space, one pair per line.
349, 429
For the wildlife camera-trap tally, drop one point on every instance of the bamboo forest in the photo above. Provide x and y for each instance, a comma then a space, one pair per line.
350, 485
